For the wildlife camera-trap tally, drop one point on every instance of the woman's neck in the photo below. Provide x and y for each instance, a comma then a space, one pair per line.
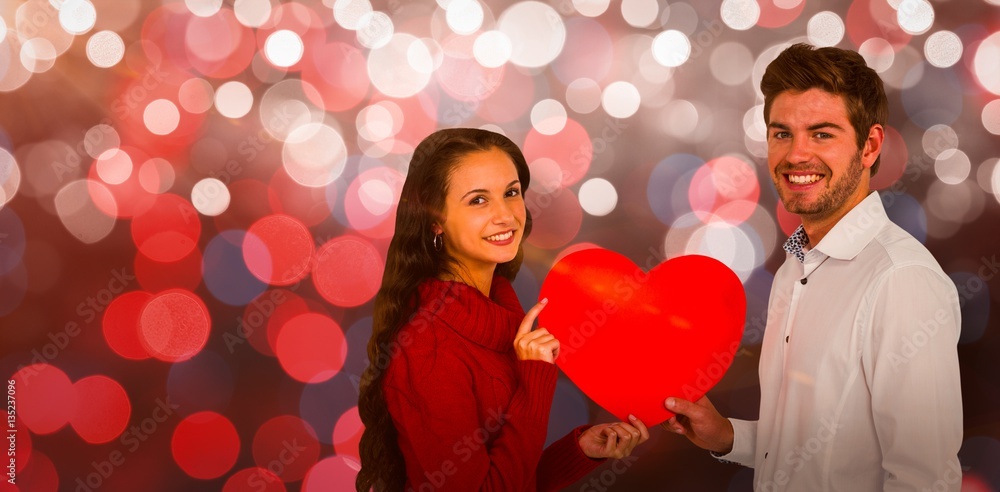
481, 279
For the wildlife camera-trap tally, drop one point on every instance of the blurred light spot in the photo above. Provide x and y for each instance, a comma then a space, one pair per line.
591, 8
728, 244
598, 197
205, 445
333, 473
991, 118
943, 49
263, 318
12, 75
370, 201
895, 155
546, 175
252, 13
203, 382
14, 285
726, 189
350, 13
40, 473
915, 16
878, 54
77, 16
952, 166
46, 400
10, 177
120, 325
106, 412
161, 117
284, 48
492, 49
347, 434
379, 121
288, 106
314, 155
557, 216
233, 99
572, 149
375, 30
311, 348
38, 55
156, 175
779, 13
464, 16
174, 325
548, 117
984, 174
620, 99
75, 204
583, 95
210, 197
938, 139
203, 8
196, 95
984, 64
753, 123
995, 182
274, 439
731, 63
3, 29
155, 276
906, 212
168, 229
979, 455
391, 67
640, 13
671, 48
278, 250
105, 49
679, 118
348, 271
952, 206
254, 480
825, 29
114, 166
536, 31
740, 14
100, 139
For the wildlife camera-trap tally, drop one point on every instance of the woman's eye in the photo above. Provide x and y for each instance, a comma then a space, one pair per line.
513, 192
478, 200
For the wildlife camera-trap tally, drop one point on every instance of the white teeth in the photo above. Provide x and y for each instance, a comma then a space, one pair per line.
811, 178
501, 237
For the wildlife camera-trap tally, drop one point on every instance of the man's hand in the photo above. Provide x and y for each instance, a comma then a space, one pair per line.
701, 423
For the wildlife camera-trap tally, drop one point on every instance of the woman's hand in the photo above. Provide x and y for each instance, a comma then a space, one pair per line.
538, 344
613, 440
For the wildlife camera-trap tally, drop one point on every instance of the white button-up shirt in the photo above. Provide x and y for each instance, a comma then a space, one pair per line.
859, 374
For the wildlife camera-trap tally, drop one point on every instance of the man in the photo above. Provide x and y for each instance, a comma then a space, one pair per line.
859, 374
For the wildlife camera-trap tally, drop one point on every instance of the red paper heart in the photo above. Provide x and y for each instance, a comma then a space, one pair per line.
630, 339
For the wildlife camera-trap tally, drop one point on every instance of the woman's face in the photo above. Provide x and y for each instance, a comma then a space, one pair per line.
483, 211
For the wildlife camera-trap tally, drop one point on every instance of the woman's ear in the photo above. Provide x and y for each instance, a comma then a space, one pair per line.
436, 229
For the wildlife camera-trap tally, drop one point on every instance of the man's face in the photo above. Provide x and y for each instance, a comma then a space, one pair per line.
813, 156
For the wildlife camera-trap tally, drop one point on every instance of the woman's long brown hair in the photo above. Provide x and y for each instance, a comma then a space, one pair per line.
410, 260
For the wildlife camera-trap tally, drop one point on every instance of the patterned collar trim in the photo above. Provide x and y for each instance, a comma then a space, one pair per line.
796, 243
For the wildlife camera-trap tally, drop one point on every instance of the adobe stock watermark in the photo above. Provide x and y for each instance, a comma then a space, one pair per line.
609, 476
11, 432
800, 455
89, 309
463, 449
131, 441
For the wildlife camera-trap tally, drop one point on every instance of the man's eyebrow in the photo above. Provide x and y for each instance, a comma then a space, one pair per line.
813, 127
480, 190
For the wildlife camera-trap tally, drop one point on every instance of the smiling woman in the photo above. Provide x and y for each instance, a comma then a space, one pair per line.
458, 393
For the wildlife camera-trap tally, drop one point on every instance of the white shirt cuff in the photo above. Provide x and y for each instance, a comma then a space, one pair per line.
744, 443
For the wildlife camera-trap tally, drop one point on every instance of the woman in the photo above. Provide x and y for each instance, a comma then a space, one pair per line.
458, 393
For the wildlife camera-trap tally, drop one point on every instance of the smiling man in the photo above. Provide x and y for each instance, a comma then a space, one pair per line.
859, 373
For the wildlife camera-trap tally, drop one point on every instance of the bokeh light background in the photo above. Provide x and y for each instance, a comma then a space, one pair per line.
196, 198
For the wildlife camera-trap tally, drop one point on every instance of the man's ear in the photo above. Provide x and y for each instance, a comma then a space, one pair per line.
873, 145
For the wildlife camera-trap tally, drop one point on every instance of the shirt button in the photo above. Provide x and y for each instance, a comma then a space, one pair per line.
786, 338
765, 456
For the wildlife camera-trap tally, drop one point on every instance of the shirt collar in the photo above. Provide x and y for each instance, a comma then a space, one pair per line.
849, 235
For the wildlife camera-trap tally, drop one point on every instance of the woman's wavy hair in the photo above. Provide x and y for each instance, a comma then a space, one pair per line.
411, 259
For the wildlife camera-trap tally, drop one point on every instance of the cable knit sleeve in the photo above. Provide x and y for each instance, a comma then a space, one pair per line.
431, 399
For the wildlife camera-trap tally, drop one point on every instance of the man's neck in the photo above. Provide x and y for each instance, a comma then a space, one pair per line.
818, 227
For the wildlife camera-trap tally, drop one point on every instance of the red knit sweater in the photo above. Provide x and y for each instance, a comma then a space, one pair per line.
470, 415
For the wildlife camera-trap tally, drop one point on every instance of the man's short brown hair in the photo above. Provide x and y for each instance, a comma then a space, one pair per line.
842, 72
